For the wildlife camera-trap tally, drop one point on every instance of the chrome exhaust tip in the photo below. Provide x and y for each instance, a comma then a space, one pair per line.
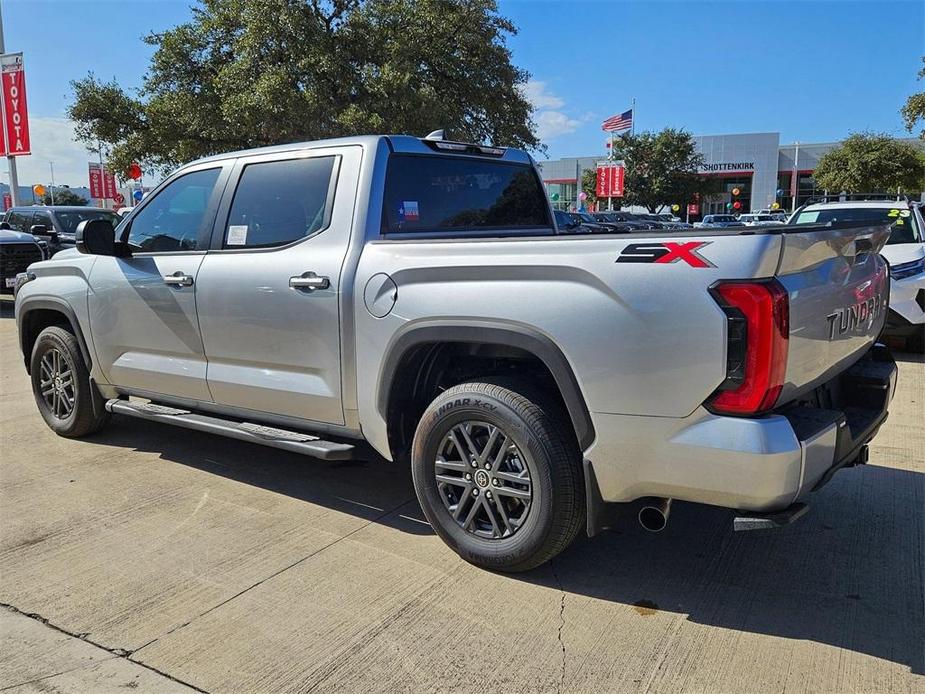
653, 516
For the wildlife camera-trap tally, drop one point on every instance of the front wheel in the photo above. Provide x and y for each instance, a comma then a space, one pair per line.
497, 472
67, 400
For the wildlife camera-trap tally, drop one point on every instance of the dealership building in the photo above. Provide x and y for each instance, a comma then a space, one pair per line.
756, 170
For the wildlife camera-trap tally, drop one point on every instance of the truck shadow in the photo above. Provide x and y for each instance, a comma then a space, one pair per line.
850, 574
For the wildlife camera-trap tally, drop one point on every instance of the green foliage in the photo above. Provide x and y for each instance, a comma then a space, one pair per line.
589, 185
64, 196
914, 109
247, 73
871, 162
661, 168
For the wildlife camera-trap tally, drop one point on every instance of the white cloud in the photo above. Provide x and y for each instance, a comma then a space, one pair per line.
535, 92
552, 124
550, 121
52, 140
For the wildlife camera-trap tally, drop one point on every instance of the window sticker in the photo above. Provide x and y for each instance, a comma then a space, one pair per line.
237, 235
408, 211
808, 217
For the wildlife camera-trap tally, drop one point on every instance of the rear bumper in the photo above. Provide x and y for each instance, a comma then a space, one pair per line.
763, 464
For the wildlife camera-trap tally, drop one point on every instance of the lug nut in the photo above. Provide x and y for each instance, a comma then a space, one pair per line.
488, 494
494, 481
475, 492
468, 476
488, 466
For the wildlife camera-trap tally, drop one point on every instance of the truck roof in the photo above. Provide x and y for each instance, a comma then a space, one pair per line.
406, 144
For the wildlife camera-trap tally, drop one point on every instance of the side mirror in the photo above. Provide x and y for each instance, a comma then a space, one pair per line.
5, 226
43, 230
95, 237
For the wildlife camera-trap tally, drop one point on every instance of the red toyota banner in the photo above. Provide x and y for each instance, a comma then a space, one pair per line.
102, 182
109, 184
609, 181
96, 181
15, 113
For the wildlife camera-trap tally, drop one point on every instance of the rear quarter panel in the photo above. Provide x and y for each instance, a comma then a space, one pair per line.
641, 338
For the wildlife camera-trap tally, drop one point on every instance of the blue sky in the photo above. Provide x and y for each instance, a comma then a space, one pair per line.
814, 71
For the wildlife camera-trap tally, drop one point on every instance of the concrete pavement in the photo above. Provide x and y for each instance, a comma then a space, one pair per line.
158, 559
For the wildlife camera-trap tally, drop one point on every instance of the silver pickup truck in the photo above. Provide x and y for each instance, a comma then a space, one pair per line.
415, 295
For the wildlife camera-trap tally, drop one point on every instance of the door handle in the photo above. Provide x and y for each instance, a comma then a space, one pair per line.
309, 280
178, 279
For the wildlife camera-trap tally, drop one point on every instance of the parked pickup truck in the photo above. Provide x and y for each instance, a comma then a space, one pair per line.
416, 295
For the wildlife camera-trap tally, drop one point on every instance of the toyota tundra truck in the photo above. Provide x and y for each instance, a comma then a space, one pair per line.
414, 296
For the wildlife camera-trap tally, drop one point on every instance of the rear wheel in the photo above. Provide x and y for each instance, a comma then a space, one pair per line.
497, 472
68, 402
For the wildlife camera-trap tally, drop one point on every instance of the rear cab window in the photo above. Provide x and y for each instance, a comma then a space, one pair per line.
456, 195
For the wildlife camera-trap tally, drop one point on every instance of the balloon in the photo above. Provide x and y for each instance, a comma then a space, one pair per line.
737, 205
736, 191
138, 195
728, 205
134, 171
775, 206
675, 208
555, 197
38, 189
582, 196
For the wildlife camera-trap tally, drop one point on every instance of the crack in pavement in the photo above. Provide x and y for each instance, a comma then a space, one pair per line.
275, 574
561, 626
117, 652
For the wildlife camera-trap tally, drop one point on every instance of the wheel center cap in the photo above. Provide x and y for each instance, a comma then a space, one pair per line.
482, 479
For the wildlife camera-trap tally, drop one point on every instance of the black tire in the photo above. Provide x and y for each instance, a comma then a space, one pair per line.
79, 409
546, 449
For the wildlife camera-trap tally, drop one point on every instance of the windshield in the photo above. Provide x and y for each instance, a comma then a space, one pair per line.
69, 219
904, 227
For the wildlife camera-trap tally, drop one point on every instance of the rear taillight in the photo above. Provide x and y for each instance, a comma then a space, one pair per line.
758, 329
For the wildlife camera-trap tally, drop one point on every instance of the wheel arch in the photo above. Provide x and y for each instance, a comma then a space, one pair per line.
419, 340
34, 315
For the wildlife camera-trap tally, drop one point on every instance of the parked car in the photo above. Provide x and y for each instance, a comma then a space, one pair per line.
18, 251
904, 250
719, 221
779, 214
569, 223
588, 220
624, 220
416, 297
758, 219
54, 224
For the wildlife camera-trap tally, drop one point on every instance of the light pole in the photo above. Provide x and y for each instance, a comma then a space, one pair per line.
51, 165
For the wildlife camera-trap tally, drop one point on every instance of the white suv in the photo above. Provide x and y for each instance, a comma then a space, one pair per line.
905, 252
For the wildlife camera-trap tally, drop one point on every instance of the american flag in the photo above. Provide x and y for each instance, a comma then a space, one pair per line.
614, 124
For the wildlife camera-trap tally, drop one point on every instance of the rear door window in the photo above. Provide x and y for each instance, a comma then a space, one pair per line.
460, 194
279, 202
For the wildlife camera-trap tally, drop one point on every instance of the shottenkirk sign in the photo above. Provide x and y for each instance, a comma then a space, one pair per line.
722, 167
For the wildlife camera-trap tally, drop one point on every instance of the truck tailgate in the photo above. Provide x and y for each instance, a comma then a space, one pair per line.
838, 287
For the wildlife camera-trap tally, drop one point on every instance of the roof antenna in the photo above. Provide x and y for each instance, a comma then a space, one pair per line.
435, 135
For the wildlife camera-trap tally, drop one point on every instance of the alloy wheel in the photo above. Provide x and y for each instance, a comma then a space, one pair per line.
483, 480
57, 383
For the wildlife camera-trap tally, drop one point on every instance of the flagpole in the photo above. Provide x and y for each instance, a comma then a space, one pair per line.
633, 122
